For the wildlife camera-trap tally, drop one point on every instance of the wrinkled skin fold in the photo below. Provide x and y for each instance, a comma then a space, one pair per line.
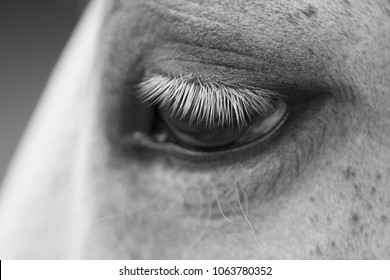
79, 187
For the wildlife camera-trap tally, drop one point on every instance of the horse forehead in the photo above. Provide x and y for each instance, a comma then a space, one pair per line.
251, 24
230, 11
249, 6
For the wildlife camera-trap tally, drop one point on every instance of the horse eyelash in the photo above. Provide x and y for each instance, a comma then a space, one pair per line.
201, 100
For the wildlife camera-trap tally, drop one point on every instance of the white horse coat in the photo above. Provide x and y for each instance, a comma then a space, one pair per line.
318, 189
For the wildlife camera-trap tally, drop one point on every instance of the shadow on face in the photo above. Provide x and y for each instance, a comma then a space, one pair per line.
136, 150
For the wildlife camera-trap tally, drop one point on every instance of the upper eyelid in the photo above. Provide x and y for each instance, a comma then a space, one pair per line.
208, 100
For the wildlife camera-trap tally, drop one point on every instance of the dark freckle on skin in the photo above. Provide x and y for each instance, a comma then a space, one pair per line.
312, 199
311, 51
333, 244
347, 2
314, 219
355, 218
373, 191
384, 218
387, 11
310, 11
349, 173
378, 176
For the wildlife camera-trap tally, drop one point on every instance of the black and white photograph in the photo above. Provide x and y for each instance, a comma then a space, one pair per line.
195, 130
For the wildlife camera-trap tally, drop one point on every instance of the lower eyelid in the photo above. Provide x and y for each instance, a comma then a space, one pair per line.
296, 149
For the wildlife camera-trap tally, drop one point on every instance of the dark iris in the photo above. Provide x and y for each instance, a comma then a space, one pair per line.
200, 136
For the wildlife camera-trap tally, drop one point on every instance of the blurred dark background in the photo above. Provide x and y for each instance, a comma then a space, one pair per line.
32, 36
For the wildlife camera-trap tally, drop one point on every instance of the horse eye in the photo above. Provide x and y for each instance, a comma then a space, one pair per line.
200, 114
201, 136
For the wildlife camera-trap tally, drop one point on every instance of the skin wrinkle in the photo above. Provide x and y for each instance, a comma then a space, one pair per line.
198, 59
254, 78
233, 29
